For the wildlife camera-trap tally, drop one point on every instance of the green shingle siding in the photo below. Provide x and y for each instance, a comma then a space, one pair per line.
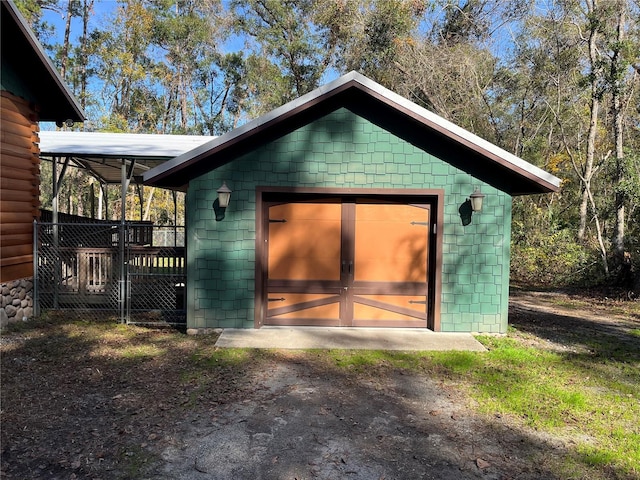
346, 151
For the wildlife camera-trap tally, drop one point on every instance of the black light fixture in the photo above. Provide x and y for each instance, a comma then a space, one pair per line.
67, 123
222, 202
476, 200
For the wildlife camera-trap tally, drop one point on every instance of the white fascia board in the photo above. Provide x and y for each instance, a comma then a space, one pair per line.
117, 145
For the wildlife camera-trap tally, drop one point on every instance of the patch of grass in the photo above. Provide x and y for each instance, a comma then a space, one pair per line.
362, 360
226, 357
217, 371
138, 352
136, 460
590, 396
459, 363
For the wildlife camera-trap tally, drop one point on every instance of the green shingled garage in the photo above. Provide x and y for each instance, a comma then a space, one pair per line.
350, 206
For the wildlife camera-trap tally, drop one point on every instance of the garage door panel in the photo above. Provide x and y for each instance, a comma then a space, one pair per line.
286, 305
395, 323
390, 308
304, 241
304, 322
389, 288
311, 286
391, 243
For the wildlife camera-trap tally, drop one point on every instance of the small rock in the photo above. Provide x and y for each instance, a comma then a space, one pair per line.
482, 464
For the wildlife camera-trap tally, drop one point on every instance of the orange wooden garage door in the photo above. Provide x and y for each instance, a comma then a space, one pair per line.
347, 262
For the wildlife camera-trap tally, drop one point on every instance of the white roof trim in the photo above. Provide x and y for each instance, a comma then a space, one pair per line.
458, 131
117, 145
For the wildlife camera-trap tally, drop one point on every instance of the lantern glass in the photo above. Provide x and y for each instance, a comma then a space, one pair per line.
476, 200
224, 195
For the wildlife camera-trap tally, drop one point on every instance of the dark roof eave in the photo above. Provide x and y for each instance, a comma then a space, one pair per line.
56, 102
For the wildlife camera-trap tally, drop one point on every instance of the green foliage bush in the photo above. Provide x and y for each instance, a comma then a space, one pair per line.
554, 260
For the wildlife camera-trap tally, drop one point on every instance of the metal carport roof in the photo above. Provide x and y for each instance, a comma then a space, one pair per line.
112, 158
103, 154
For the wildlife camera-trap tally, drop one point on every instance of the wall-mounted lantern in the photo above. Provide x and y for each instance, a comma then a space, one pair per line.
222, 202
476, 200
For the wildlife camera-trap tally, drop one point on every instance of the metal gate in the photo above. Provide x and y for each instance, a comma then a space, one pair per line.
134, 272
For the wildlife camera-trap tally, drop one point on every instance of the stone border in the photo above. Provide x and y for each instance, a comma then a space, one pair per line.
17, 301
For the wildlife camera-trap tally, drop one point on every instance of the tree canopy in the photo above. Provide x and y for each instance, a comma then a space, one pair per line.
556, 83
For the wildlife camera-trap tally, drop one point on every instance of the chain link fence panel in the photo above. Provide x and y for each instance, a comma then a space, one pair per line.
133, 272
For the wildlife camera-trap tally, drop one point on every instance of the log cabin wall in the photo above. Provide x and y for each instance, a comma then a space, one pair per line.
20, 186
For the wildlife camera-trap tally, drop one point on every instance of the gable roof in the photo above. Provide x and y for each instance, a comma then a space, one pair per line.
381, 106
23, 53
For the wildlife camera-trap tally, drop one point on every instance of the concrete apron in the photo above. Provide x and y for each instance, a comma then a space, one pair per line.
299, 338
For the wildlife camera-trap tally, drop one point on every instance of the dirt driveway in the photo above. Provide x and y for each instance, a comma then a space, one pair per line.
302, 422
99, 402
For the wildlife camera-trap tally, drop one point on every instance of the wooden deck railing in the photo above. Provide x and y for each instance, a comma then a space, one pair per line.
105, 233
156, 260
89, 273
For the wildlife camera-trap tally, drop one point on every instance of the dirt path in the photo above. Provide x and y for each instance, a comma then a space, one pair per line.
298, 422
565, 322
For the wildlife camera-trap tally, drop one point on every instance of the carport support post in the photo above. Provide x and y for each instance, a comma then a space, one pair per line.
57, 180
175, 218
125, 177
123, 211
54, 220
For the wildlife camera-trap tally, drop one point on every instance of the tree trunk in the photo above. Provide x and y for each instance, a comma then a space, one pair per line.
587, 174
147, 208
88, 6
618, 117
65, 44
